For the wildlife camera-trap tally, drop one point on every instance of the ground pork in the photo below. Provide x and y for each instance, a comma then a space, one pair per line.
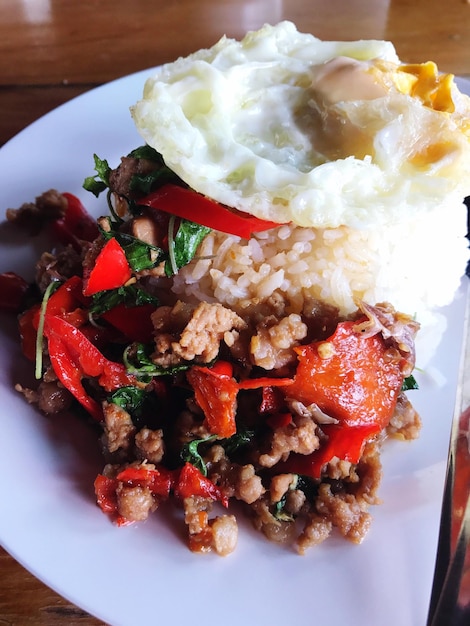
150, 445
280, 484
347, 513
120, 178
204, 327
51, 397
60, 266
33, 216
219, 534
299, 436
224, 534
405, 422
274, 529
272, 345
135, 503
248, 486
235, 480
119, 429
315, 531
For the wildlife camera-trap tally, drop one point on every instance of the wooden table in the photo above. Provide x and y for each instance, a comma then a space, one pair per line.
53, 50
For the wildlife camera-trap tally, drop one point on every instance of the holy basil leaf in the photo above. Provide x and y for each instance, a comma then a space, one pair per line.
140, 255
131, 399
301, 483
279, 511
145, 183
137, 360
185, 244
130, 296
190, 453
146, 152
409, 383
238, 440
100, 181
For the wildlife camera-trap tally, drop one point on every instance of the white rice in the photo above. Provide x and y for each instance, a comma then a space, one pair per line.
415, 265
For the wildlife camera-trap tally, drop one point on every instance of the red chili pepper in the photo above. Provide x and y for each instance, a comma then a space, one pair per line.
106, 498
256, 383
222, 368
192, 483
12, 292
159, 480
272, 401
198, 208
346, 443
74, 357
216, 394
111, 269
135, 323
71, 376
67, 301
349, 377
279, 420
27, 325
76, 225
105, 490
67, 297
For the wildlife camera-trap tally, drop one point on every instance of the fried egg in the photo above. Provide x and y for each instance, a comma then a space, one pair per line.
290, 128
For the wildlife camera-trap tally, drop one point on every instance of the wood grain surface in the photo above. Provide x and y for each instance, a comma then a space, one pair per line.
53, 50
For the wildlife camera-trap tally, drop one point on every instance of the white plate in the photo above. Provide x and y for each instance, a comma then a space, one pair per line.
145, 573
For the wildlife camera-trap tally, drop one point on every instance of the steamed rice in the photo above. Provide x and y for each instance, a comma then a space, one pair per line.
363, 159
416, 264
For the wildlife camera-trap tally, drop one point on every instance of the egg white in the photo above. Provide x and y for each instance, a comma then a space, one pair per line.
250, 124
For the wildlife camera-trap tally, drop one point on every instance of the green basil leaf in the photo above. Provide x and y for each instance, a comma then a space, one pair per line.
140, 255
100, 181
303, 483
131, 399
241, 438
130, 296
186, 243
145, 183
409, 383
146, 152
138, 362
190, 453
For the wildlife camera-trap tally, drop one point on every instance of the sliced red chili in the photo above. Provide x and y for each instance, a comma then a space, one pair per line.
279, 420
13, 289
135, 323
159, 481
192, 483
349, 377
345, 442
27, 325
111, 269
216, 394
106, 498
222, 368
74, 357
256, 383
68, 302
70, 375
190, 205
272, 400
76, 225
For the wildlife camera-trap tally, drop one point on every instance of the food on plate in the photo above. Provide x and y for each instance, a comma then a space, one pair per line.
242, 325
370, 154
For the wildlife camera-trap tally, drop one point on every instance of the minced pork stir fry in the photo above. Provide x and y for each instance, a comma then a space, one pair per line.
197, 403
